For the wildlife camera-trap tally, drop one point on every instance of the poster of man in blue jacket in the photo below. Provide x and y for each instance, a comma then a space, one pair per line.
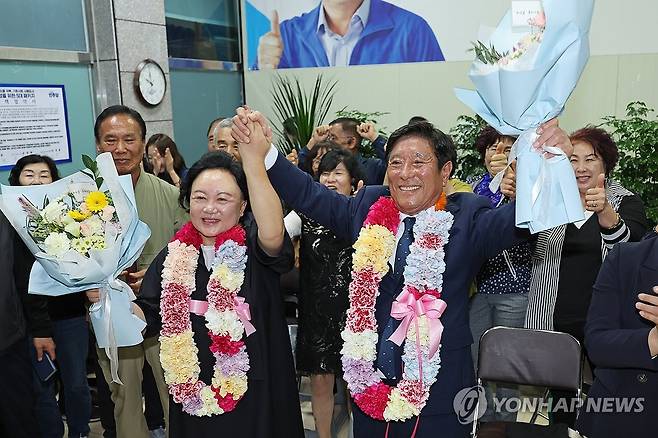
336, 33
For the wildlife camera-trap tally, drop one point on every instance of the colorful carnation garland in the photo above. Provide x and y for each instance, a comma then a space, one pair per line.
227, 318
418, 307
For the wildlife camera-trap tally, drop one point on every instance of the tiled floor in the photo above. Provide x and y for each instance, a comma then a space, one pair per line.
340, 417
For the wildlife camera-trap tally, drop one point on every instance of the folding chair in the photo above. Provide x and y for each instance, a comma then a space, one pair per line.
528, 357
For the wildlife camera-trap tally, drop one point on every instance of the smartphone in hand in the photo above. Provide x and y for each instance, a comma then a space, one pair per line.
45, 368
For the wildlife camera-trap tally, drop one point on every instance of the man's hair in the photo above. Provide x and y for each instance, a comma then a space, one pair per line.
350, 126
441, 143
602, 143
225, 123
416, 119
15, 173
218, 119
116, 110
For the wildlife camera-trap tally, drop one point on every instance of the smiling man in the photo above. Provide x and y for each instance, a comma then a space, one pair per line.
418, 171
121, 131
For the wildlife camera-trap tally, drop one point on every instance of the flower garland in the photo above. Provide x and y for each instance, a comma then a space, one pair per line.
418, 307
227, 318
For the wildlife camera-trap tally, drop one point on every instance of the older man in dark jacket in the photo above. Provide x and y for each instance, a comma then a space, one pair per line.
17, 401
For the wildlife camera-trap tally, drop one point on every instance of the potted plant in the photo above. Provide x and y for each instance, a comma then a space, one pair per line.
299, 112
464, 134
636, 135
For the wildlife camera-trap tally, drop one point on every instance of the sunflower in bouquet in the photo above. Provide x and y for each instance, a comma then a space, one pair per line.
81, 219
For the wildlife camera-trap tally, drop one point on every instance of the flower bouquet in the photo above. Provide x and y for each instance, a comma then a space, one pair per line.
84, 231
523, 81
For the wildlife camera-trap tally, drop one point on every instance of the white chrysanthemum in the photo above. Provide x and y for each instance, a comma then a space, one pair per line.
57, 244
226, 322
54, 212
360, 345
412, 368
434, 222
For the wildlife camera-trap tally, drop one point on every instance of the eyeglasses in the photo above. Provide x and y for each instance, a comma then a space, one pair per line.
332, 137
397, 164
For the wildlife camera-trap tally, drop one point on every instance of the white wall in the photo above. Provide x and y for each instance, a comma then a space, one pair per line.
623, 67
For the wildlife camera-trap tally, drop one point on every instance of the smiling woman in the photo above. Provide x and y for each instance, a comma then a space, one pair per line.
568, 258
213, 297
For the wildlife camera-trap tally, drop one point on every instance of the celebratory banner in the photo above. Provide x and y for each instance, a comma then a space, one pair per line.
33, 120
307, 33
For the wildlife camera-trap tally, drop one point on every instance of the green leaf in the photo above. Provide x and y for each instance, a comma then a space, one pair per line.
636, 135
305, 109
99, 182
89, 163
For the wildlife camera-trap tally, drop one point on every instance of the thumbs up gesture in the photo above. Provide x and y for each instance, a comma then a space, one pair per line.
499, 158
595, 199
270, 45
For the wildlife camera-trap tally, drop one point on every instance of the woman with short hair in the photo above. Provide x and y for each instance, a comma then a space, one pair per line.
213, 296
567, 258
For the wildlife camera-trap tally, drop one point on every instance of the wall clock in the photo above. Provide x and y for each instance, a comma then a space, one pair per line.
150, 82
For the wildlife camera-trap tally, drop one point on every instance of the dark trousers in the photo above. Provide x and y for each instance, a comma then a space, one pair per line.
71, 338
152, 407
103, 395
17, 398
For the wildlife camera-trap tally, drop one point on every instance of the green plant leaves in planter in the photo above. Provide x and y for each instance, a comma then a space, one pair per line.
302, 110
636, 136
464, 134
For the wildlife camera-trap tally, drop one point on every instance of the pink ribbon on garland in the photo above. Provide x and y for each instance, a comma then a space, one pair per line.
241, 309
407, 307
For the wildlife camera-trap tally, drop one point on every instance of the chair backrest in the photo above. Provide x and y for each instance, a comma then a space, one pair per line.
530, 357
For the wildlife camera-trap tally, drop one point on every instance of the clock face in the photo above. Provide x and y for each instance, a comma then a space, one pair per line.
151, 83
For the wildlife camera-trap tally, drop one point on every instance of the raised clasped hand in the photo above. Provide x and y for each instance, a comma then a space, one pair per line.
550, 134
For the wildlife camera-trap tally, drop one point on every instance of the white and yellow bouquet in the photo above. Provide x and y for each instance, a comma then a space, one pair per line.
78, 220
84, 234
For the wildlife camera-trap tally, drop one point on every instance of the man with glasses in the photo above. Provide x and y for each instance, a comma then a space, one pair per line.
348, 133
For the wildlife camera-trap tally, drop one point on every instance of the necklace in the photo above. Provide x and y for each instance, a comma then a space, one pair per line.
419, 307
227, 318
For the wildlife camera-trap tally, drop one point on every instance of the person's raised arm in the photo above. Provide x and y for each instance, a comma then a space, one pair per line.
495, 228
294, 186
265, 203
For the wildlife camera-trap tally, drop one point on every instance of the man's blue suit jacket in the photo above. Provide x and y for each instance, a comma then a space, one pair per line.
478, 233
391, 35
616, 340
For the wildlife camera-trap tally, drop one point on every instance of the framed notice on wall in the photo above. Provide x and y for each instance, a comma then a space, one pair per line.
33, 120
